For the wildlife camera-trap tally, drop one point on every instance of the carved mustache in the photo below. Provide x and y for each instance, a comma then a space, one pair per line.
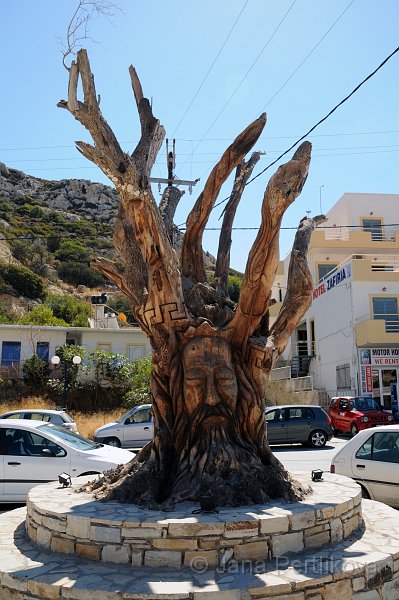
204, 411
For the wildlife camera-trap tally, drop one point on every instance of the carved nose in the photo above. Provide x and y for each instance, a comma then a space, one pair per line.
211, 397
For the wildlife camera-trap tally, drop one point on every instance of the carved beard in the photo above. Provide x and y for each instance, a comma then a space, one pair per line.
213, 445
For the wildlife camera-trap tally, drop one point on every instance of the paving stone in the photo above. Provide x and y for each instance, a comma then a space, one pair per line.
78, 527
201, 559
251, 551
159, 558
115, 554
105, 534
174, 544
291, 542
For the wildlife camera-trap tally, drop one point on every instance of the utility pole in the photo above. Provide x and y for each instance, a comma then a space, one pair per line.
171, 165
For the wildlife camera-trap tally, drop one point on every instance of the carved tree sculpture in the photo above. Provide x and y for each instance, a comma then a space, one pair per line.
211, 358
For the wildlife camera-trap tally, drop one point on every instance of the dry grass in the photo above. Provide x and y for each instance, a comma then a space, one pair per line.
87, 422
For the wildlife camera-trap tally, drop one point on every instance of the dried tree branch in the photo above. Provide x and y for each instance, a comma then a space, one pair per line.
152, 132
299, 287
192, 262
282, 189
167, 207
106, 153
243, 173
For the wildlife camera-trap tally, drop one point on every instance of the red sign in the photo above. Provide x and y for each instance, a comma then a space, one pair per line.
369, 379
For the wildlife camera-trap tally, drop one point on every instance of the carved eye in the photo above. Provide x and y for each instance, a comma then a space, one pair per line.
194, 378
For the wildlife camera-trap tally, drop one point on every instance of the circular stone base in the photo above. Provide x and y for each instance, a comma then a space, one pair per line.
61, 520
365, 566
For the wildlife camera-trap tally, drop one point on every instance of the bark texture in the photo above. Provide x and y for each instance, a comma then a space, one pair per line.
211, 358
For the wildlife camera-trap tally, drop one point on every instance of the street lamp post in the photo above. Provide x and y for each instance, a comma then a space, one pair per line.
55, 360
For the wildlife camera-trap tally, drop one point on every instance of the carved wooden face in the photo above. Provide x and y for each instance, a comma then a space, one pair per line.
210, 383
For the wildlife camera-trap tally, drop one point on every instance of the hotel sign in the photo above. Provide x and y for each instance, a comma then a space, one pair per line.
340, 275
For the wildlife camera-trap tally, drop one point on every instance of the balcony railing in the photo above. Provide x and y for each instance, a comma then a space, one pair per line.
385, 233
391, 321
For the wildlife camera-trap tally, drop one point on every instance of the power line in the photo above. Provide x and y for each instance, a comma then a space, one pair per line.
245, 76
306, 57
33, 237
210, 69
319, 122
328, 114
266, 138
66, 159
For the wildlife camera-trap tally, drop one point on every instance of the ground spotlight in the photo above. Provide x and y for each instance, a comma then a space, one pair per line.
317, 475
65, 480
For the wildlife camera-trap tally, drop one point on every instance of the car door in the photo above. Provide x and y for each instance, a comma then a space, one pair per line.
138, 428
276, 426
2, 465
25, 465
376, 463
343, 415
298, 424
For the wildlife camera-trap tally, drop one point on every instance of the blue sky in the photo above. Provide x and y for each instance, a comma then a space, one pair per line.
172, 46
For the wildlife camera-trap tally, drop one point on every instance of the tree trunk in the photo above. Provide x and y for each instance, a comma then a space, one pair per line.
211, 359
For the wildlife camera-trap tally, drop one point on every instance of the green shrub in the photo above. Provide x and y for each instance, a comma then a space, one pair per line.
71, 251
35, 372
234, 285
75, 312
80, 274
23, 281
42, 315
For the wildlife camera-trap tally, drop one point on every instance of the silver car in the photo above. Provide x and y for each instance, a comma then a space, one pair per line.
134, 429
56, 417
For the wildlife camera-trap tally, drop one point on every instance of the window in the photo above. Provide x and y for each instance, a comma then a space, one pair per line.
382, 447
343, 376
37, 417
141, 416
42, 350
275, 415
300, 413
104, 347
24, 443
10, 353
134, 352
386, 309
325, 269
373, 226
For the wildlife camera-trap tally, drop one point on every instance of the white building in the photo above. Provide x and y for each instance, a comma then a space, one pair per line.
349, 339
20, 342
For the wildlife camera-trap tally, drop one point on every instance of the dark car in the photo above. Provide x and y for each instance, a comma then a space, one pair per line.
355, 413
307, 425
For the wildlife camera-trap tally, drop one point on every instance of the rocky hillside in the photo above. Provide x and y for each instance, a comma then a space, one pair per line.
74, 199
53, 228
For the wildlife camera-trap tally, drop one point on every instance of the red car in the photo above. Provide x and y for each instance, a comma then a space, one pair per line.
353, 413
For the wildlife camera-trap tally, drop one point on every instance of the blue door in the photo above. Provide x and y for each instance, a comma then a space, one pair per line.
10, 354
42, 350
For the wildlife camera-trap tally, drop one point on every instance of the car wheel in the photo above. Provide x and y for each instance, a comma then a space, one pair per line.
112, 441
336, 431
354, 429
365, 493
317, 439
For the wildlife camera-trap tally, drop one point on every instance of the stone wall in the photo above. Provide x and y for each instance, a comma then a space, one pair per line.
125, 534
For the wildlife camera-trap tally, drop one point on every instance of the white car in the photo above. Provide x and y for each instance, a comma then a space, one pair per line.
57, 417
33, 452
134, 429
372, 459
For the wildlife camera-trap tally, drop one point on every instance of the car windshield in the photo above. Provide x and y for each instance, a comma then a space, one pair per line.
66, 418
64, 435
363, 404
125, 416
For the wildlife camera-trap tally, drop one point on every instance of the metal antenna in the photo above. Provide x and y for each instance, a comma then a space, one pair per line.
171, 165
